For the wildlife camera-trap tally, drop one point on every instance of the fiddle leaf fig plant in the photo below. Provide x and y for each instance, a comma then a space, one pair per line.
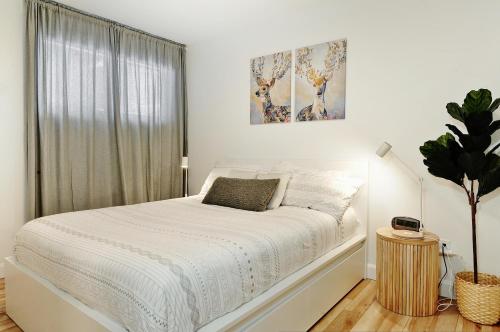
468, 162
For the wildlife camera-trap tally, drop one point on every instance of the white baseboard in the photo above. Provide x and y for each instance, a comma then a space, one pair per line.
2, 270
371, 271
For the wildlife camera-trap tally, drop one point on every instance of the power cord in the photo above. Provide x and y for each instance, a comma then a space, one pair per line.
444, 304
445, 266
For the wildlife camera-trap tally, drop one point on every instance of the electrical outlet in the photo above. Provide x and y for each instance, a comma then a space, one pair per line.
447, 246
446, 242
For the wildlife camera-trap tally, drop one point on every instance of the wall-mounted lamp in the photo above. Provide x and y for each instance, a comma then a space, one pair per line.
185, 166
382, 150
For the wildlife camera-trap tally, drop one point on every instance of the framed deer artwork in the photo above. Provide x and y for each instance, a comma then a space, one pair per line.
320, 72
270, 88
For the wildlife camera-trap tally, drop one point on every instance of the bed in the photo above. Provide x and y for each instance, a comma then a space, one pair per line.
181, 265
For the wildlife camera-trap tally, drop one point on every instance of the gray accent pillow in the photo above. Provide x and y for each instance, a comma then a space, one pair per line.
244, 194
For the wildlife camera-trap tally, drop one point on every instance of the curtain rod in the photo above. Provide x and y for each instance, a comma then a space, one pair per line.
60, 5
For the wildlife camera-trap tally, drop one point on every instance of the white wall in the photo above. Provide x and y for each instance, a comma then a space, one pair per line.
406, 60
12, 147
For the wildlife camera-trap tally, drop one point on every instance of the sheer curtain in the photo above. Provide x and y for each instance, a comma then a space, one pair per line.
106, 108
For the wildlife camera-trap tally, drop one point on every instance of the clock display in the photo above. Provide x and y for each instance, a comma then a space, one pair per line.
406, 223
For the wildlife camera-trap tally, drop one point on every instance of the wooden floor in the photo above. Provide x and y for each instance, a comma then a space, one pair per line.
358, 311
6, 325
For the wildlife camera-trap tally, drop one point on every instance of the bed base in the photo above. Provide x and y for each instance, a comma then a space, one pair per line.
294, 304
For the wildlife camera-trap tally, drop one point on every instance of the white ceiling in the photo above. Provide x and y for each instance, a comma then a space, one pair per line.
187, 21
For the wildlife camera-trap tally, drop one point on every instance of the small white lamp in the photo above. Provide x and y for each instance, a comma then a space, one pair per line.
185, 166
382, 150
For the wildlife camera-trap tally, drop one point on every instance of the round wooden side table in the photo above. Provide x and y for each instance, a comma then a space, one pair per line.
407, 273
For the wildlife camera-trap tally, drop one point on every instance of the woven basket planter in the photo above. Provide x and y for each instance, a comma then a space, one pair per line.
479, 302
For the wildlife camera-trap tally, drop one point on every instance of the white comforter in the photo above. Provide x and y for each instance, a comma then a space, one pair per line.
172, 265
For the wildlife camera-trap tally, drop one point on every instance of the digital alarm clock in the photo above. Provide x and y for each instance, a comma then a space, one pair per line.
406, 223
407, 227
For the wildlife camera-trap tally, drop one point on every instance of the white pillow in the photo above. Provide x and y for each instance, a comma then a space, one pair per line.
225, 172
243, 165
349, 217
349, 223
327, 191
279, 193
288, 167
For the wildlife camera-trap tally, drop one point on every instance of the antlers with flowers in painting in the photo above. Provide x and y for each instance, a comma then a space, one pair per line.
281, 64
335, 57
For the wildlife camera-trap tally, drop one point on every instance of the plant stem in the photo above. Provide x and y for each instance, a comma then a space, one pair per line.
466, 192
473, 208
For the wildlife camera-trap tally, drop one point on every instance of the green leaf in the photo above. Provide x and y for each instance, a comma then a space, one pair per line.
455, 130
494, 126
478, 123
494, 105
455, 111
476, 143
441, 158
477, 101
472, 163
471, 143
492, 150
489, 178
446, 139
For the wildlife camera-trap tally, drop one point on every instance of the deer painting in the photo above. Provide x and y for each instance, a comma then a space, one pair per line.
318, 79
270, 112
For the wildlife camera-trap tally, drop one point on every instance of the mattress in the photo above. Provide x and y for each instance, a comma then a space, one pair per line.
173, 265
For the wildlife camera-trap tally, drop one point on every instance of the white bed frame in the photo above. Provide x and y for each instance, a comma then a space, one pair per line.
293, 304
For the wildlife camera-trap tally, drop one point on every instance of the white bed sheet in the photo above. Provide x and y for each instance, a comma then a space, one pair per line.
173, 265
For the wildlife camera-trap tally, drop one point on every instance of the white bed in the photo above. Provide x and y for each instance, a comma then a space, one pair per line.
180, 265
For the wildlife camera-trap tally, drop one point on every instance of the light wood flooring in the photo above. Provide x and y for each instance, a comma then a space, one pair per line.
6, 325
358, 311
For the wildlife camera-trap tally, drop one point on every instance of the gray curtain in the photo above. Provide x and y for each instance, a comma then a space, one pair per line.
105, 112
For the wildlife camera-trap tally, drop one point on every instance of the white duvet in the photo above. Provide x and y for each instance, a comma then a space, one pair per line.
172, 265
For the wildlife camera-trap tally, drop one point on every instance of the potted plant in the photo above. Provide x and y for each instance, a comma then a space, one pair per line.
473, 165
